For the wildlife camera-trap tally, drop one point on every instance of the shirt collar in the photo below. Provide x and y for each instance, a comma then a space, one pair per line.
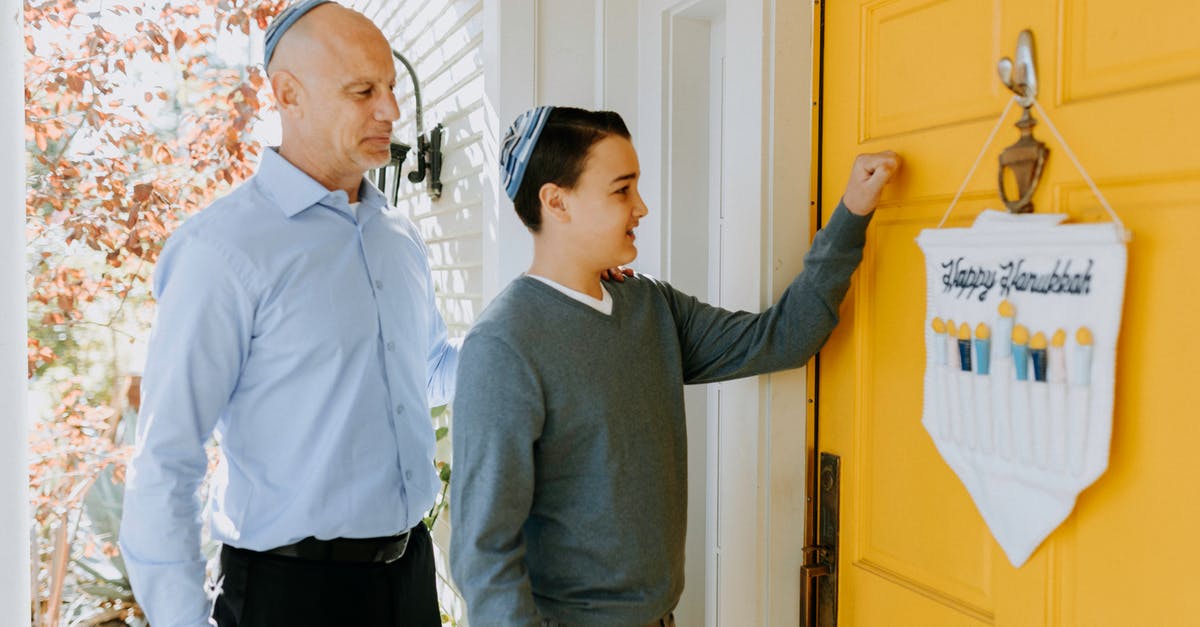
295, 191
370, 196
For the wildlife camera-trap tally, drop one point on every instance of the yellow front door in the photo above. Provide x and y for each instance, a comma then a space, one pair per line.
1122, 82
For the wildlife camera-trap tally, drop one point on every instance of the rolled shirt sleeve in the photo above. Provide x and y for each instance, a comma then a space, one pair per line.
442, 360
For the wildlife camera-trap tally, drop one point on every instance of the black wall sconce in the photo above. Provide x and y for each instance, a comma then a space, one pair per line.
429, 149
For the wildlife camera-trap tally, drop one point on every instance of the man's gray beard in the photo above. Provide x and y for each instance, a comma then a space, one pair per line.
383, 161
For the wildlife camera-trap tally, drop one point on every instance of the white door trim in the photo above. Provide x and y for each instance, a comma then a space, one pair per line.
692, 258
790, 118
736, 492
755, 492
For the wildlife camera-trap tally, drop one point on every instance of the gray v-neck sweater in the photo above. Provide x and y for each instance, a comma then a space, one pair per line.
568, 497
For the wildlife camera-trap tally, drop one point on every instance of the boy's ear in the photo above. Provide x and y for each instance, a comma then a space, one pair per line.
554, 207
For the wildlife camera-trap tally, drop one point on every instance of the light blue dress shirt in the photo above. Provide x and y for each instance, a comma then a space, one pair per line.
309, 343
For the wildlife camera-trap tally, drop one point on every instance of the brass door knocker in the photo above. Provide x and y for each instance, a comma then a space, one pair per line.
1026, 158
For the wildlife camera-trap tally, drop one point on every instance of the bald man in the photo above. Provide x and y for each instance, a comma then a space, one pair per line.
296, 324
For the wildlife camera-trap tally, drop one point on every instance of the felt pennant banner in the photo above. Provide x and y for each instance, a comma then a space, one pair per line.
1021, 323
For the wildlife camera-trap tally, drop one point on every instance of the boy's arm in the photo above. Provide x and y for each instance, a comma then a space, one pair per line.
498, 417
718, 344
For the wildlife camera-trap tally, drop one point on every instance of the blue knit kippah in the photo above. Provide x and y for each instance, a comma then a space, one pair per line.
285, 20
518, 145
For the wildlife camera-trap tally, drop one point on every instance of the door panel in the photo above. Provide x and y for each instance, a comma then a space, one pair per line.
1108, 49
900, 466
1123, 85
901, 95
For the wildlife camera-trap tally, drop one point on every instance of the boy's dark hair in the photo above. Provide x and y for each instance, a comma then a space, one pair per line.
560, 155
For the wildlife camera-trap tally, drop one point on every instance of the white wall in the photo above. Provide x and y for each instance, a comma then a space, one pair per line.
14, 471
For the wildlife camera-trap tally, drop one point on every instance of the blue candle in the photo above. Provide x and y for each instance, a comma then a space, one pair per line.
1037, 350
983, 348
964, 347
1020, 352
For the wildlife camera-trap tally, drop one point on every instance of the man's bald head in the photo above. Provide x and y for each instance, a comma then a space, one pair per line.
324, 29
333, 76
284, 21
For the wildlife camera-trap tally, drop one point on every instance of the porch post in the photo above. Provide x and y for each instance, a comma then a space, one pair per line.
14, 481
510, 85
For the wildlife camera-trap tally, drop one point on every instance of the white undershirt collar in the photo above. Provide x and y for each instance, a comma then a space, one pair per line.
603, 305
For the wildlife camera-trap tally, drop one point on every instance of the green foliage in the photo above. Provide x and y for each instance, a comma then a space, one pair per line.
441, 417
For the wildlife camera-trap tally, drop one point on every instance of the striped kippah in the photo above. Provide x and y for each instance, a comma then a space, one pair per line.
285, 20
518, 145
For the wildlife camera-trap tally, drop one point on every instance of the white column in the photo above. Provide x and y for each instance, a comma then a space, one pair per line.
14, 501
510, 41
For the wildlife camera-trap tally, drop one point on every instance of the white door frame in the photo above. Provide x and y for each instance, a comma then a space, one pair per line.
791, 120
14, 470
692, 257
736, 495
754, 492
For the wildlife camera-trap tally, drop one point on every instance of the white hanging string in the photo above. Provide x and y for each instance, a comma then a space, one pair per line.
991, 138
1061, 140
1079, 166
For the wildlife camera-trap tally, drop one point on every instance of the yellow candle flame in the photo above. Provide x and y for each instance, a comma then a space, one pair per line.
1084, 336
1059, 339
1006, 309
1020, 334
939, 326
982, 332
950, 327
1038, 341
964, 331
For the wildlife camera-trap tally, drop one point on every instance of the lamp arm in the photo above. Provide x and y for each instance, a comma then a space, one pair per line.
416, 91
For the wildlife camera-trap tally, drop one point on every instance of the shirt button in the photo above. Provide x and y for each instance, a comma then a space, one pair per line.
399, 409
408, 475
391, 346
378, 284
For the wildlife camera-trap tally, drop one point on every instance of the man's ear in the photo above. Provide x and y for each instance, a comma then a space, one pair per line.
287, 90
554, 206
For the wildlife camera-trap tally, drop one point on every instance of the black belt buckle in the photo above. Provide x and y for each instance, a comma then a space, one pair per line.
393, 551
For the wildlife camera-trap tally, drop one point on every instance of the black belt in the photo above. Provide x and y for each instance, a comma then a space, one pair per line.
385, 550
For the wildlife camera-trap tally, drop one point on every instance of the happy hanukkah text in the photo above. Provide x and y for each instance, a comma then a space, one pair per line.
1015, 275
